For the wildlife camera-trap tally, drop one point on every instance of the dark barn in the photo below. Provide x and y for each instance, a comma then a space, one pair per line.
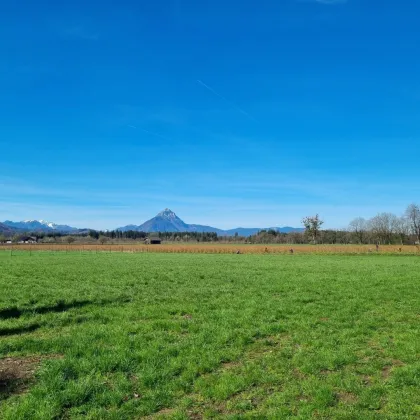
153, 241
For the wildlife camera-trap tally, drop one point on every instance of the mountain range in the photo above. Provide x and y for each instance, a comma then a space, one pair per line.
4, 229
168, 221
165, 221
35, 226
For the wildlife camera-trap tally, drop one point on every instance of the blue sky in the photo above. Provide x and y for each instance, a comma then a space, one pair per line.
230, 113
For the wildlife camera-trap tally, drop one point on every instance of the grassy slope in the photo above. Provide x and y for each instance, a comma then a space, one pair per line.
244, 335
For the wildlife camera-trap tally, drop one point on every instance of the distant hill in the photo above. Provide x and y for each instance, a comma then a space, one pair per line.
6, 230
165, 221
168, 221
39, 226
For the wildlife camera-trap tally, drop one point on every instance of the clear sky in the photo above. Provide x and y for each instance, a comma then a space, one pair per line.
231, 113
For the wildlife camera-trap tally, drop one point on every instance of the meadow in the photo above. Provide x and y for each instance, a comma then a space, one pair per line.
188, 335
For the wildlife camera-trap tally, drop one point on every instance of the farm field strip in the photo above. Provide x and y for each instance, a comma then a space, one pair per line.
218, 248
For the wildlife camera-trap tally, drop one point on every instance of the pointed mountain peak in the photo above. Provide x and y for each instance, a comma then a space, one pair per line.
167, 214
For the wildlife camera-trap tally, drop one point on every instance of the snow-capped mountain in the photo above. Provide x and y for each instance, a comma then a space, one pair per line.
39, 226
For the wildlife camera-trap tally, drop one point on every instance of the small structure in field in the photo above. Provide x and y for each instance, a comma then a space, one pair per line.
28, 240
153, 241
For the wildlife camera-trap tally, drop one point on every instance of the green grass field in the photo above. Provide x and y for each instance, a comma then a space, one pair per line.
122, 336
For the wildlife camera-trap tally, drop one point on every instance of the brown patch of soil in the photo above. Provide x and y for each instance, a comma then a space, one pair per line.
347, 397
367, 380
229, 365
165, 412
303, 398
375, 346
16, 373
298, 373
386, 371
194, 416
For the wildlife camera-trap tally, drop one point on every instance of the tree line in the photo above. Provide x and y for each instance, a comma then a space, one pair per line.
384, 228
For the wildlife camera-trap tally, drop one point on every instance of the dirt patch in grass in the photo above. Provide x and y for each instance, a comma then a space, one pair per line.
164, 413
303, 398
347, 397
17, 373
297, 373
386, 371
229, 365
326, 372
366, 380
194, 416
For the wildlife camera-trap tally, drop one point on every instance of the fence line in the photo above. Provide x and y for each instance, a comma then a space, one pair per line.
213, 249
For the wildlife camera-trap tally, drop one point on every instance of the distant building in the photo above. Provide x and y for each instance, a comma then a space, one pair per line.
153, 241
28, 240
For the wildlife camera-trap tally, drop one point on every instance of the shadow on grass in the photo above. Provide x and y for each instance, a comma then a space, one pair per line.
60, 306
19, 330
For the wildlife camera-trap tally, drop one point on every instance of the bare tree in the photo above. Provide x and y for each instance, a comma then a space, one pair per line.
70, 239
295, 238
103, 239
49, 239
413, 216
383, 226
359, 226
16, 238
402, 228
312, 226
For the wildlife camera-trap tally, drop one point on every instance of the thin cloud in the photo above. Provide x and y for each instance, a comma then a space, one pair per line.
231, 104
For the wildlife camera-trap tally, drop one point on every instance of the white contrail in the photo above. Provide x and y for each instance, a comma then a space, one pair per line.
226, 100
148, 132
154, 134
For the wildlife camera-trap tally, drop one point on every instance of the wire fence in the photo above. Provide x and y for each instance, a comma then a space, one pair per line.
15, 249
